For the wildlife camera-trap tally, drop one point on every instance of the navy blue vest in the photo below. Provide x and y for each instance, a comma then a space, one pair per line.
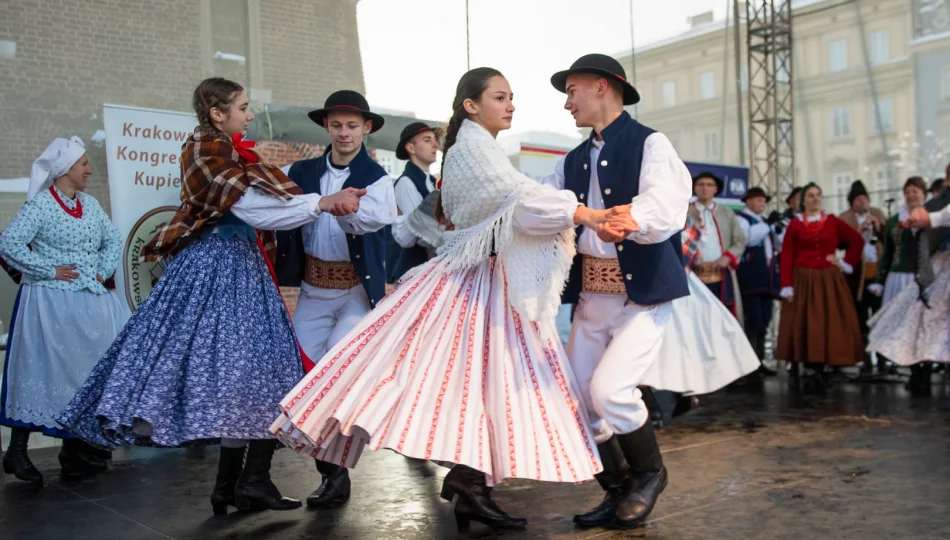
367, 251
409, 258
757, 273
653, 273
418, 177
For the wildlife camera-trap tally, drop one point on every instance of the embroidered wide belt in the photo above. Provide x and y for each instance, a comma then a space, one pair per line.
870, 271
602, 276
330, 275
707, 272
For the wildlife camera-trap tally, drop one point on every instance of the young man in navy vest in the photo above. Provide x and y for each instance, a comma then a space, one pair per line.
758, 271
338, 261
418, 144
623, 280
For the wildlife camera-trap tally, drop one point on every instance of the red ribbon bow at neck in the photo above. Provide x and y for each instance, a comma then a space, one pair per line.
244, 148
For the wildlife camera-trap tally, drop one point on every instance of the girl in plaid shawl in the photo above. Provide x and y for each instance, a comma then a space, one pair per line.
211, 351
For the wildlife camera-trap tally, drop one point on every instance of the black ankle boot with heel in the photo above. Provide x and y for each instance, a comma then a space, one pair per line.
230, 466
474, 500
334, 489
17, 462
254, 489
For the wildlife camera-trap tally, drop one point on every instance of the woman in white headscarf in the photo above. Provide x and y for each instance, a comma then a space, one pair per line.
65, 319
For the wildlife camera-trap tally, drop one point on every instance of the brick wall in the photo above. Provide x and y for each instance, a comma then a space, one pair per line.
74, 55
312, 49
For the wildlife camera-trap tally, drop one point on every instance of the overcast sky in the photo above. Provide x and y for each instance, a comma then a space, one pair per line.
414, 50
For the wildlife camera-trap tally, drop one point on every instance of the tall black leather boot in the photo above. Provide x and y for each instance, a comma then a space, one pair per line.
647, 476
334, 490
230, 466
474, 500
653, 406
614, 480
17, 462
255, 490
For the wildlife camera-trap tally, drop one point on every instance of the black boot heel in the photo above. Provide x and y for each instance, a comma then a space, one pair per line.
448, 493
463, 523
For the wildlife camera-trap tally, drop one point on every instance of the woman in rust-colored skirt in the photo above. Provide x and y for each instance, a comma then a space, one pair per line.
818, 325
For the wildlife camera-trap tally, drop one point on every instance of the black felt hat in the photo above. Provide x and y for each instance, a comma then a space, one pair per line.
795, 191
598, 64
347, 101
857, 189
756, 192
408, 133
720, 185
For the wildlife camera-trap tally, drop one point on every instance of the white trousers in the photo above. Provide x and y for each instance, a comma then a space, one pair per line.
613, 344
324, 316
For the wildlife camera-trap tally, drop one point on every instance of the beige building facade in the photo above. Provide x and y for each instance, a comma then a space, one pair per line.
688, 84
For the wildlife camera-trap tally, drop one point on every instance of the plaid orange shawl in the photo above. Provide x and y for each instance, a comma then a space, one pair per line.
213, 179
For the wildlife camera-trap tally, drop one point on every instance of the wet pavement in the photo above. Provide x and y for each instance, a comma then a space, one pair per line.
864, 461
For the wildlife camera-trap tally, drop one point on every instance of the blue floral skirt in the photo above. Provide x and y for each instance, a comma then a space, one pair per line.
209, 354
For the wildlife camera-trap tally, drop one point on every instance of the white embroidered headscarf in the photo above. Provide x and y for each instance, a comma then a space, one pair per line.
56, 160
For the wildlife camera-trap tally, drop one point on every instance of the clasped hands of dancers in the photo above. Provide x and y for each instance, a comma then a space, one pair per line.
461, 364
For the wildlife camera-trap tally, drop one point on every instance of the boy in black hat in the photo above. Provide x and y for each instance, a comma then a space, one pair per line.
338, 262
623, 279
758, 271
419, 145
870, 223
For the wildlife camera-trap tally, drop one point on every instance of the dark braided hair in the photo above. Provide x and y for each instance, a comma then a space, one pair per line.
471, 86
805, 190
214, 92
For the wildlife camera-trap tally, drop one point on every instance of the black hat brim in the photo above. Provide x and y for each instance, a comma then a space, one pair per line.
319, 115
401, 152
630, 94
746, 196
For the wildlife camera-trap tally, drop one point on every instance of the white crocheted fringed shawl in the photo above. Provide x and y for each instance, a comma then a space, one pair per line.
480, 190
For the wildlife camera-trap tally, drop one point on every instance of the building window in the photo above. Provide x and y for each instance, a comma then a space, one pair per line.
707, 85
880, 52
711, 146
840, 122
842, 183
669, 94
228, 32
838, 55
886, 107
881, 187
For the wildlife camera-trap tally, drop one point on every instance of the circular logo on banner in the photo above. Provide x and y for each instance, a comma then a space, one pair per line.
141, 277
737, 187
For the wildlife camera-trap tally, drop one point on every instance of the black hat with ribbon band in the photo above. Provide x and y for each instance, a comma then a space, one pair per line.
347, 101
755, 192
408, 133
598, 64
720, 185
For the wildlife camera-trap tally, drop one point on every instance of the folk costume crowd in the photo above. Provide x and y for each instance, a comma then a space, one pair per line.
461, 363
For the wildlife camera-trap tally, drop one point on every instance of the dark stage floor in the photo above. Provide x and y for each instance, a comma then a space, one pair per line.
863, 461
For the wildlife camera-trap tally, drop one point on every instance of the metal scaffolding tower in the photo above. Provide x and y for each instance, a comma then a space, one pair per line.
771, 137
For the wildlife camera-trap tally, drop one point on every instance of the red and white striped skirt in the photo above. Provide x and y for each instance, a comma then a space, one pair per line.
445, 369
